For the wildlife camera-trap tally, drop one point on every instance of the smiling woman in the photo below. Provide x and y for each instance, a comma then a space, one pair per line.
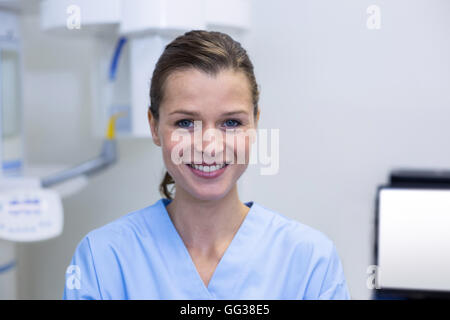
206, 74
200, 241
218, 104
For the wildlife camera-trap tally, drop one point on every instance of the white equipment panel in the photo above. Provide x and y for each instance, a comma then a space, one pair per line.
30, 215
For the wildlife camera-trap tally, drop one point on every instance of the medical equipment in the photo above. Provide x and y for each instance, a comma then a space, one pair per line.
107, 157
148, 26
11, 134
28, 212
31, 214
136, 31
412, 235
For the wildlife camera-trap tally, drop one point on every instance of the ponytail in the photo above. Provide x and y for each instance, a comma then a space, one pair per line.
163, 187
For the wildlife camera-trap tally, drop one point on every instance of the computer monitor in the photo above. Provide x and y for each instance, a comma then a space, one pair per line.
413, 240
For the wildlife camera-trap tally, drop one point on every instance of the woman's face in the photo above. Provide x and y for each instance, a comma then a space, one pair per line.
222, 109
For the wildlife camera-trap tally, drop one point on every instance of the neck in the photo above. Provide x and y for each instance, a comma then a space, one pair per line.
206, 225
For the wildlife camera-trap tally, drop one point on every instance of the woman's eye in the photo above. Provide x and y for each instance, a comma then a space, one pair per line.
184, 123
232, 123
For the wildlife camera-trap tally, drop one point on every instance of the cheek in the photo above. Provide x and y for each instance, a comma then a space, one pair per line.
174, 146
171, 161
239, 146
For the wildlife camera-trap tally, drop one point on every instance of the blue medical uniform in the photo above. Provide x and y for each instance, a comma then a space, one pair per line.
142, 256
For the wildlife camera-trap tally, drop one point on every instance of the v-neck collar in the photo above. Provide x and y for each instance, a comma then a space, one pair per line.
181, 263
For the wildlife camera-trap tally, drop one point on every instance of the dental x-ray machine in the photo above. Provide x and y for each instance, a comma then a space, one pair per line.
29, 209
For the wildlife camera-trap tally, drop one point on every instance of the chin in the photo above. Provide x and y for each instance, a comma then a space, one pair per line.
208, 194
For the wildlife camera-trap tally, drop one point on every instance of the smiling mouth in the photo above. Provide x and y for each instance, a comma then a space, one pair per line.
207, 168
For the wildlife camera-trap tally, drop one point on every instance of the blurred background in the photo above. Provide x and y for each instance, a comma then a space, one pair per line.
358, 88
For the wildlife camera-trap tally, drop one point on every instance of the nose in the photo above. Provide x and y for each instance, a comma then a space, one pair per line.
209, 140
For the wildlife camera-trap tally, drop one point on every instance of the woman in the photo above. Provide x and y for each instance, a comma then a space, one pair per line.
202, 242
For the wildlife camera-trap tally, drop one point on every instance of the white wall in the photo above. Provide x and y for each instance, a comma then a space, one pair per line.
350, 103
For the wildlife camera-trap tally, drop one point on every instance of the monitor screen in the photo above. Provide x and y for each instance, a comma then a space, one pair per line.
414, 239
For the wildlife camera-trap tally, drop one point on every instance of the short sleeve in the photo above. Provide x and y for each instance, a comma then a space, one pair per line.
81, 278
334, 286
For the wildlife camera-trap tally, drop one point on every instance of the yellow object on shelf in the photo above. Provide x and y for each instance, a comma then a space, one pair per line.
111, 131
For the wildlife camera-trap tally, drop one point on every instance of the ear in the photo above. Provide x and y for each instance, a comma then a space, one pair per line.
153, 128
257, 117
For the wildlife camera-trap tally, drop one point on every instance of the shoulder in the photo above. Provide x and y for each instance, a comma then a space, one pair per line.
134, 224
295, 233
313, 255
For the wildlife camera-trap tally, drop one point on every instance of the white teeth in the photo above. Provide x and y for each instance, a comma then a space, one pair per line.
207, 168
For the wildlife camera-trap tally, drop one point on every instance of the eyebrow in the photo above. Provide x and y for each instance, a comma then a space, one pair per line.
194, 113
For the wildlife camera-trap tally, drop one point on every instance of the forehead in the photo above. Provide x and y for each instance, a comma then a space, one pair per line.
192, 87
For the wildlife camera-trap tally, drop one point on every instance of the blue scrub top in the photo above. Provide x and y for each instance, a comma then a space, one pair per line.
142, 256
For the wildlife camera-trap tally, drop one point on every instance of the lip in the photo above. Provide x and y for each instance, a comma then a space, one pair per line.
207, 175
